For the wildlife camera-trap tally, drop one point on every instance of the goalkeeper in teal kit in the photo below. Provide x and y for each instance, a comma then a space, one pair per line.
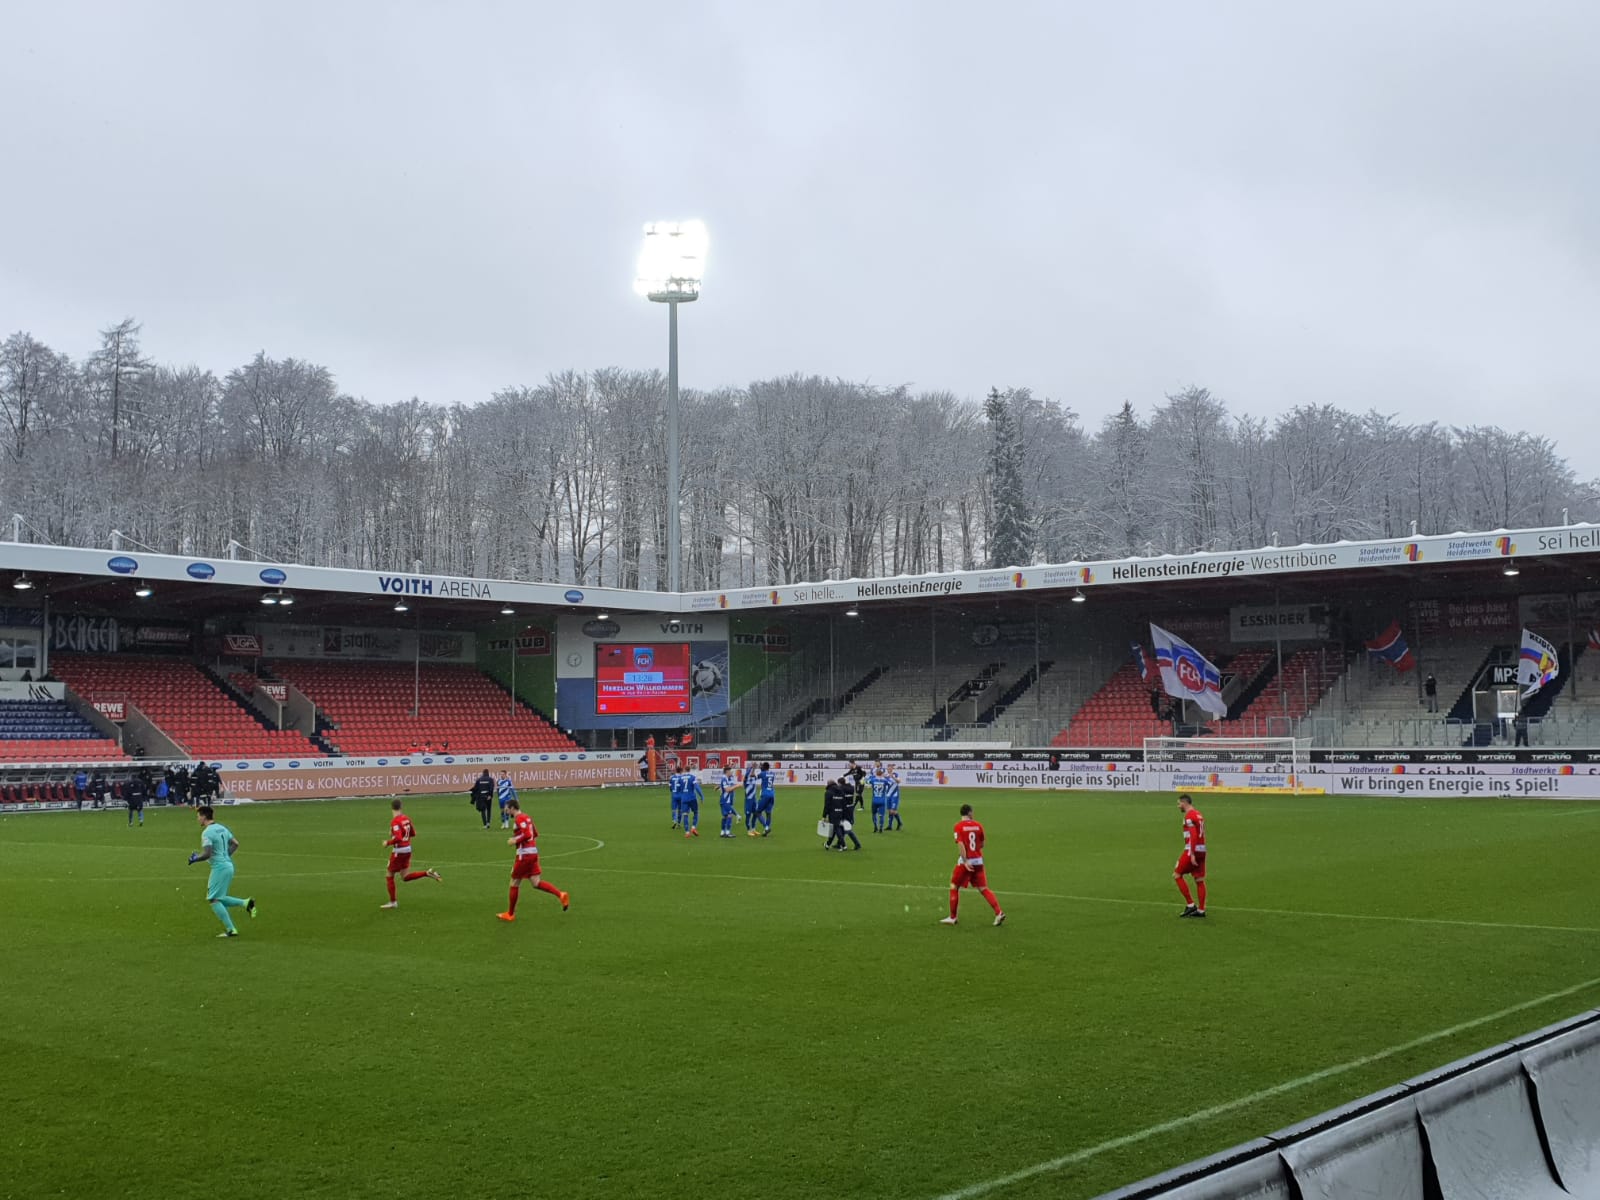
217, 847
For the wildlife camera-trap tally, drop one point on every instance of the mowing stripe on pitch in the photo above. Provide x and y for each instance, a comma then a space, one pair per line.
1130, 1139
940, 887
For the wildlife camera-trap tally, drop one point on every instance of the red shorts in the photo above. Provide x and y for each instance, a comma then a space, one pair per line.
399, 863
526, 867
968, 877
1191, 865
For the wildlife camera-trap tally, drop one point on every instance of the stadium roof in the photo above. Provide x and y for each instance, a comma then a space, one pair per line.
204, 586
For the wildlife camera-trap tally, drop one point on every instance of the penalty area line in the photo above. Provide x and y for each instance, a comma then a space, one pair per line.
972, 1191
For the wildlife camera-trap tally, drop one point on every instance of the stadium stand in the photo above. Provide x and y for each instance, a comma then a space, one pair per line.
1288, 695
370, 709
50, 731
183, 702
1375, 705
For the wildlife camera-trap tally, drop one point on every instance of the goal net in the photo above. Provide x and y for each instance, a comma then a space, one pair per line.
1280, 759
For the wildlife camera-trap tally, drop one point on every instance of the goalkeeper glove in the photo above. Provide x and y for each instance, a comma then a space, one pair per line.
193, 858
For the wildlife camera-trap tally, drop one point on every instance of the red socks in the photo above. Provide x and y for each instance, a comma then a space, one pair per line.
549, 887
955, 899
990, 897
389, 879
1183, 886
1200, 890
512, 907
410, 875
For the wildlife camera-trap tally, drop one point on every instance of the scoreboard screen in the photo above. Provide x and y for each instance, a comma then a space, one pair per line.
641, 677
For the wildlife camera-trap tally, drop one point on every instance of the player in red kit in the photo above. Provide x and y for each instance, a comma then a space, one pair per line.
969, 870
526, 839
1193, 859
401, 831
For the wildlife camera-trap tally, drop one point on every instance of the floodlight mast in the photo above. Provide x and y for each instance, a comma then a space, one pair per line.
671, 264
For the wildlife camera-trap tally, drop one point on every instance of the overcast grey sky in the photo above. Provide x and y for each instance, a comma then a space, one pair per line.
1374, 204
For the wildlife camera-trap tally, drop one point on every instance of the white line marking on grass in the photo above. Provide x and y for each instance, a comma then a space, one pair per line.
1576, 812
940, 887
1217, 1110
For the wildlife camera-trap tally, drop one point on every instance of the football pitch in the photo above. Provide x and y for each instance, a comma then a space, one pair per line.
755, 1017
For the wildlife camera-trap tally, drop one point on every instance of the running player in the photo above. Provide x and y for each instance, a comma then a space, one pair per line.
969, 870
1193, 859
891, 796
401, 831
727, 787
526, 840
689, 806
218, 846
880, 797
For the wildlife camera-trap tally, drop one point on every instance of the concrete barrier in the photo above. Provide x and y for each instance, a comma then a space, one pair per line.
1520, 1121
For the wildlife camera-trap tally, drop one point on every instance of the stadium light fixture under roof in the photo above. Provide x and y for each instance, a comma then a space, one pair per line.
144, 591
22, 583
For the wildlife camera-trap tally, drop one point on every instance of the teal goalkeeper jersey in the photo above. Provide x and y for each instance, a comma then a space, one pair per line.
217, 837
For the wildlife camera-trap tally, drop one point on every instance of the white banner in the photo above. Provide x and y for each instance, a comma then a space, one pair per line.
33, 691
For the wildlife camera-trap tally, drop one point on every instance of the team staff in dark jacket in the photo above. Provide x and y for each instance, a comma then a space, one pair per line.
136, 791
839, 807
483, 795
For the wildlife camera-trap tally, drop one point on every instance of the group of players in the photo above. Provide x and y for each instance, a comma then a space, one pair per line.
843, 795
759, 785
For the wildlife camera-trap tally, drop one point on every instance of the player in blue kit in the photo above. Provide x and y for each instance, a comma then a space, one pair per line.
507, 791
675, 790
217, 847
726, 787
689, 806
891, 800
769, 797
879, 782
752, 797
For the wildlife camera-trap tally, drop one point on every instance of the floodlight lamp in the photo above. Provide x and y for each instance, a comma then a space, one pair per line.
607, 617
22, 583
285, 599
508, 611
144, 591
269, 597
1511, 568
672, 261
851, 611
1078, 597
401, 606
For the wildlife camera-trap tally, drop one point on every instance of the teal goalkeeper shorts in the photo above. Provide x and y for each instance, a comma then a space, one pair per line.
217, 885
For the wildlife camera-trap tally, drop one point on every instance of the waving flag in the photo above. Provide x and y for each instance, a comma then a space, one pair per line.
1186, 674
1594, 639
1136, 652
1538, 663
1391, 646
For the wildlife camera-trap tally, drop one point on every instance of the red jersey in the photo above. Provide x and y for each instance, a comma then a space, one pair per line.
401, 831
525, 836
969, 836
1194, 833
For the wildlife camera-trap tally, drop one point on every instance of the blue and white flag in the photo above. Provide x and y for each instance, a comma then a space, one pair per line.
1186, 674
1136, 652
1538, 663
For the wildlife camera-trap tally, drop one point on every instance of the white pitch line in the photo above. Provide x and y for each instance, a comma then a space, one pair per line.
1129, 1139
1270, 912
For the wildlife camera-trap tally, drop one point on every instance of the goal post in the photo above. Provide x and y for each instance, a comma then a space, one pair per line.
1279, 762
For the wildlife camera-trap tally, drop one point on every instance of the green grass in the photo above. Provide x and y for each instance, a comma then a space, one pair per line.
754, 1018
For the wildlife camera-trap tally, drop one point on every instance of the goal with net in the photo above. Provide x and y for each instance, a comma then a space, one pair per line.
1281, 760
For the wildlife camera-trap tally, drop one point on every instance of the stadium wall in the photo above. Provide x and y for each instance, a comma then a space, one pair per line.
1521, 1119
